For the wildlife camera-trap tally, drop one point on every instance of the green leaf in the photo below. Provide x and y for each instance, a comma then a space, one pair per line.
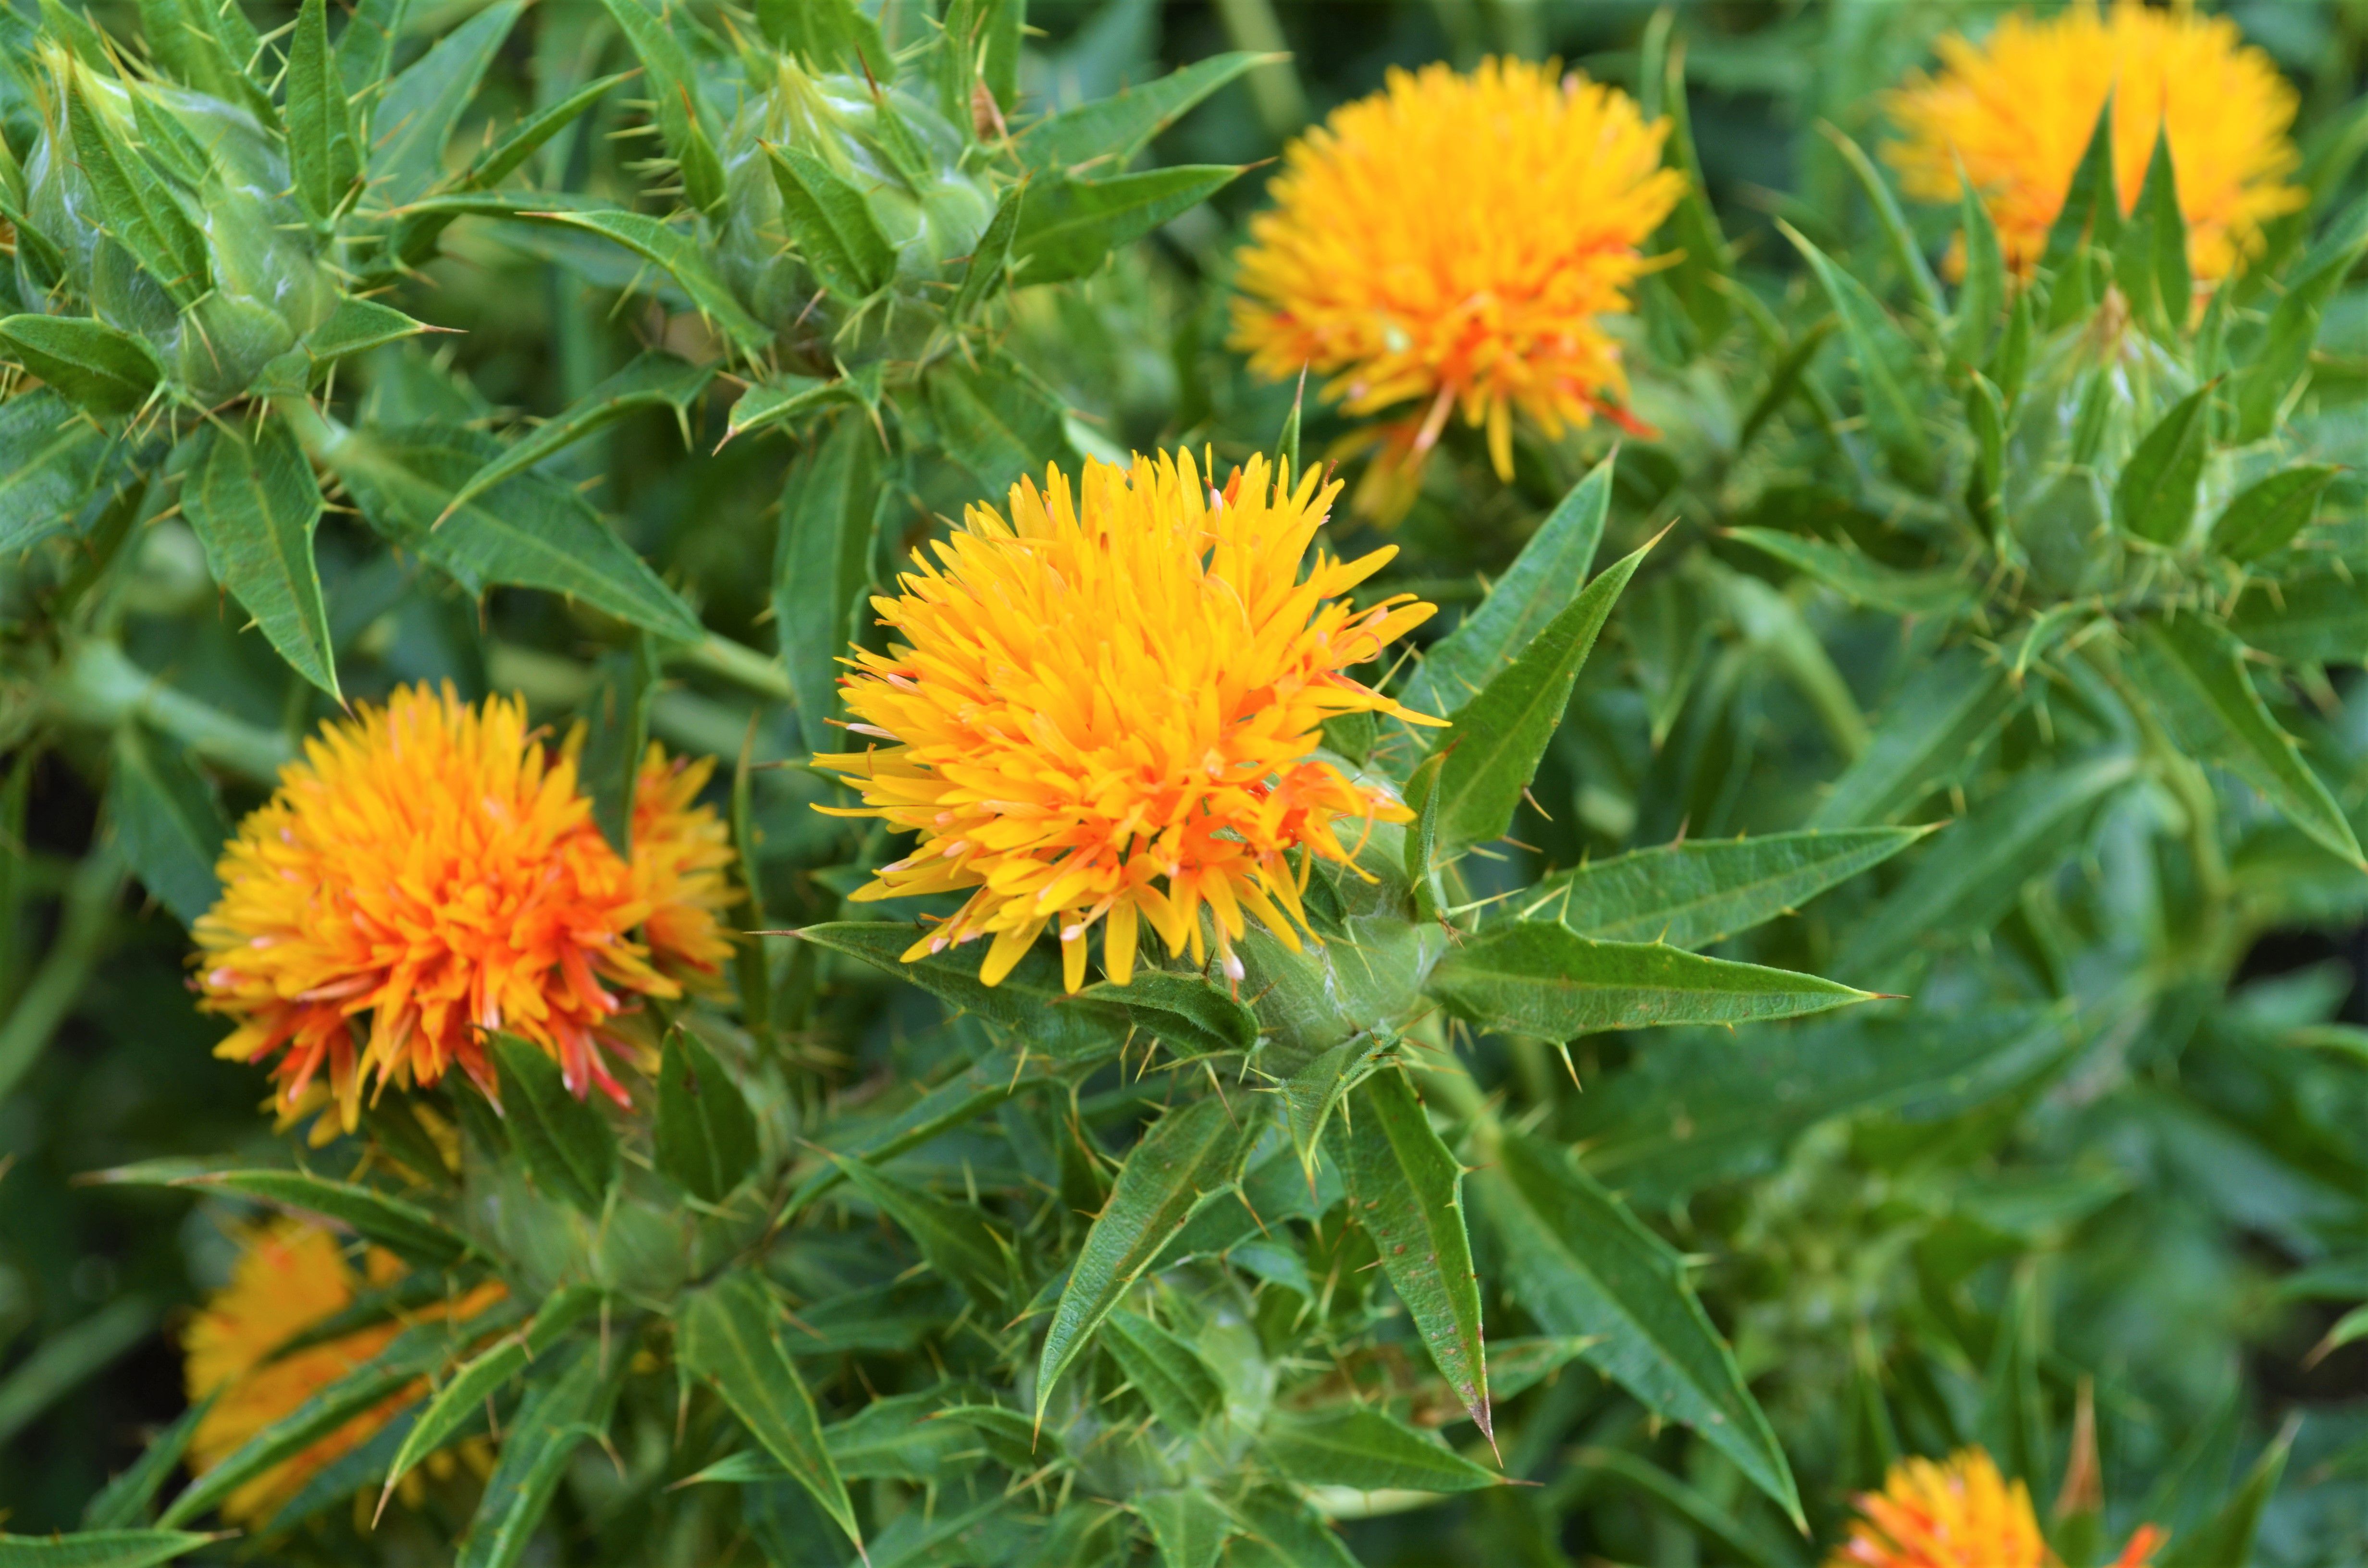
706, 1136
2150, 259
1408, 1189
567, 1145
1880, 350
649, 381
1111, 130
2015, 836
956, 1239
194, 40
2265, 517
1286, 1533
321, 151
2013, 1419
2155, 497
530, 136
2227, 1536
989, 268
1986, 477
139, 212
254, 503
1529, 978
99, 1549
1493, 746
829, 35
527, 531
1183, 1011
2192, 672
1187, 1526
2284, 357
1860, 580
465, 1394
676, 104
1689, 1505
727, 1338
2321, 618
1021, 1002
415, 117
128, 1498
1369, 1451
366, 47
402, 1228
2092, 214
781, 398
822, 568
1691, 895
681, 257
1541, 584
1984, 288
1311, 1095
616, 714
356, 326
1071, 225
1581, 1264
171, 826
1898, 239
1169, 1374
569, 1404
50, 458
1191, 1156
62, 1361
997, 421
893, 1438
100, 369
831, 224
1945, 714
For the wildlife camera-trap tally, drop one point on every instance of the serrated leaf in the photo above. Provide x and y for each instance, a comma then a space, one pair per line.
1879, 348
321, 151
1111, 132
1986, 421
128, 1498
706, 1136
1169, 1374
99, 1549
1945, 714
171, 827
897, 1439
829, 35
2284, 357
1493, 746
832, 225
2321, 618
402, 1228
682, 116
1369, 1451
1688, 895
1529, 978
2150, 257
1859, 579
821, 568
2092, 214
955, 1239
1189, 1156
995, 421
1541, 584
254, 503
100, 369
1286, 1533
780, 399
568, 1147
1898, 239
1408, 1189
2227, 1536
463, 1395
616, 716
415, 117
1580, 1264
727, 1338
1982, 291
680, 256
1188, 1528
139, 212
2264, 518
356, 326
530, 136
2015, 836
2155, 497
1311, 1095
649, 381
2193, 673
50, 458
204, 43
1689, 1504
989, 267
1183, 1011
1070, 226
568, 1406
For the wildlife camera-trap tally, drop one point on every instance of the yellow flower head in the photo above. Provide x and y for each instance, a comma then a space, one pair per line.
2018, 109
1109, 707
430, 870
290, 1275
1957, 1514
1453, 241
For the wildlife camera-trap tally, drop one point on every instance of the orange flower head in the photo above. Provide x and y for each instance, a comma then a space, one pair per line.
290, 1275
1958, 1514
1109, 707
430, 870
1455, 241
2016, 110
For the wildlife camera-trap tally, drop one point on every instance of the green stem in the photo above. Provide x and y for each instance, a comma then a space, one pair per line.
58, 983
739, 664
99, 686
1275, 87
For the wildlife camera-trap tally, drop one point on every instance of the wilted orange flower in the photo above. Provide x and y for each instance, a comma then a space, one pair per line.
290, 1275
1957, 1514
2017, 110
1110, 710
434, 867
1455, 240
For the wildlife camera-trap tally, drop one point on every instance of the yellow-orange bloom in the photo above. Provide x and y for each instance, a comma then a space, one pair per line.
1455, 241
1109, 706
434, 867
290, 1275
1958, 1514
2017, 110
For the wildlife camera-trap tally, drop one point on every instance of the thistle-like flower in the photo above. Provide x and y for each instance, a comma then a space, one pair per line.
1455, 241
290, 1276
1109, 708
1960, 1513
2017, 109
429, 871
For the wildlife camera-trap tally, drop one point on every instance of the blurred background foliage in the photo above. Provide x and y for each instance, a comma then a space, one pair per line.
2102, 1185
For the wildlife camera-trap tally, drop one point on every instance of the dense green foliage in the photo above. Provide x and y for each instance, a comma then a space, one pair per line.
1995, 695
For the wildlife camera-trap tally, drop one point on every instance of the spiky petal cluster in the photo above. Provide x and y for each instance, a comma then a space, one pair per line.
1108, 707
2018, 109
1960, 1513
431, 870
289, 1276
1455, 241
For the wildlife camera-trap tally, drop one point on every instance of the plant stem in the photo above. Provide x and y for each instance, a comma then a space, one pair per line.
1281, 100
99, 686
58, 983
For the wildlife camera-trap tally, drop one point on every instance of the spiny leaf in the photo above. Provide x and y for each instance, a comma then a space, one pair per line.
821, 568
567, 1145
1070, 225
1529, 978
568, 1406
2154, 498
167, 816
321, 151
706, 1136
141, 213
1892, 406
997, 421
1860, 580
683, 115
1111, 132
955, 1238
356, 326
1984, 289
101, 368
681, 257
50, 458
1690, 895
649, 381
2150, 259
1187, 1526
1311, 1095
2265, 517
402, 1228
2092, 214
990, 259
831, 224
465, 1394
99, 1549
1169, 1374
1368, 1451
413, 118
1946, 710
727, 1339
254, 503
1898, 238
615, 718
